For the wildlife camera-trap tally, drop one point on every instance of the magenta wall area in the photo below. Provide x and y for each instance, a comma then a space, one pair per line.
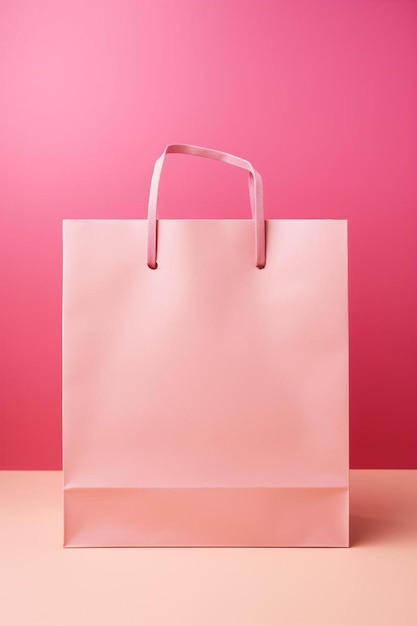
320, 95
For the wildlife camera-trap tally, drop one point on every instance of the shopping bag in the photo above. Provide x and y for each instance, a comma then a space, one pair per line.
205, 378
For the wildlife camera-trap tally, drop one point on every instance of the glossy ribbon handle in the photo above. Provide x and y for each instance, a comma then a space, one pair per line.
255, 191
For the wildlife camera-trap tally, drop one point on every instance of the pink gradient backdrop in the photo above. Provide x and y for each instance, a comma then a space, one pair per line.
320, 95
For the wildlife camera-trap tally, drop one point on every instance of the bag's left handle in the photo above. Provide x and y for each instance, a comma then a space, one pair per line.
255, 189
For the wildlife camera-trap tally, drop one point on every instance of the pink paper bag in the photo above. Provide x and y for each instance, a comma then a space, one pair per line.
205, 379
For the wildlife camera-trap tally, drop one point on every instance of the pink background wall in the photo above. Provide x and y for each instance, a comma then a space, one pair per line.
320, 95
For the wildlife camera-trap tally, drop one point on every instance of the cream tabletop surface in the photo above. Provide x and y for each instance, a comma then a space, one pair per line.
374, 582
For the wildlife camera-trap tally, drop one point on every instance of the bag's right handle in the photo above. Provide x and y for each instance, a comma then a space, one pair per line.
255, 190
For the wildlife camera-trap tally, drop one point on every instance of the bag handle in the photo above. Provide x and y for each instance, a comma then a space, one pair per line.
255, 192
